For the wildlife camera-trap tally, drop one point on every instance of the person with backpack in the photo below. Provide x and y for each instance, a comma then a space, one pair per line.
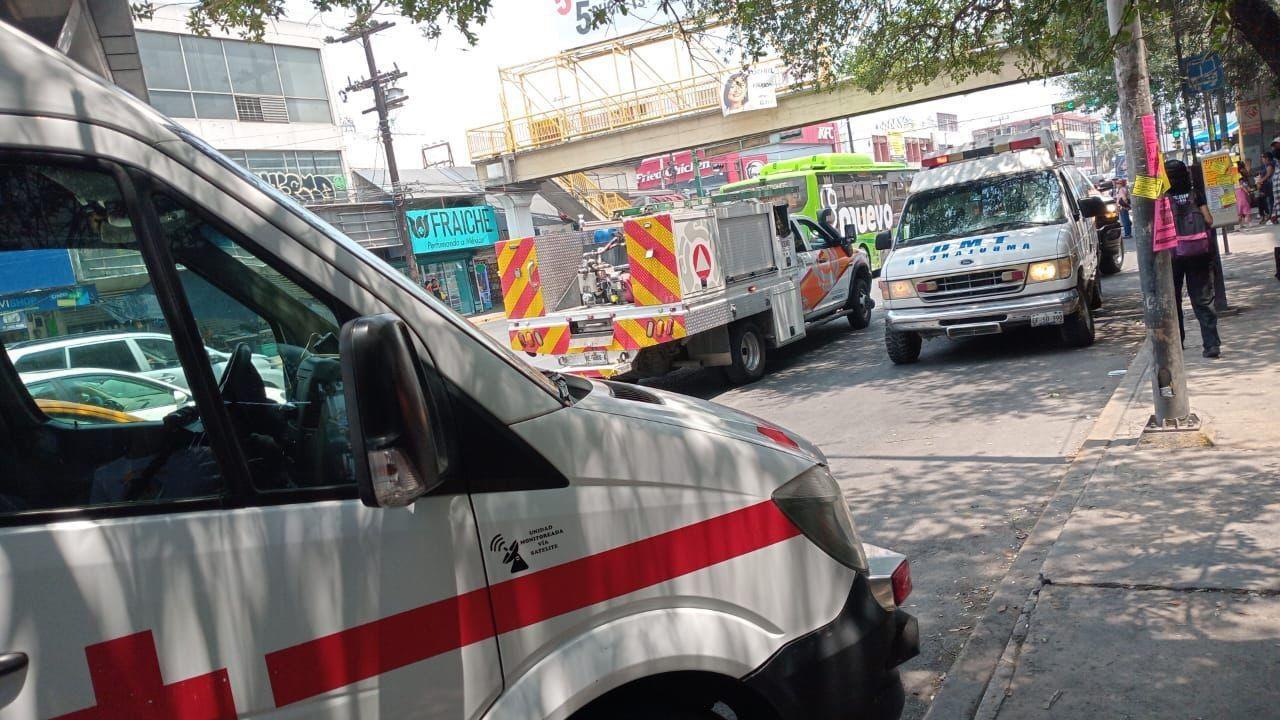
1193, 255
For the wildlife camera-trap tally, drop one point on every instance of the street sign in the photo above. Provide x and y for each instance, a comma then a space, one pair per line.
1064, 107
1203, 73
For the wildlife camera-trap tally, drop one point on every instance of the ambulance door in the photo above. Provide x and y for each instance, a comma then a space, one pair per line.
216, 563
823, 282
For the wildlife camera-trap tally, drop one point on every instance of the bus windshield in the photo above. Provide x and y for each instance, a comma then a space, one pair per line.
1002, 202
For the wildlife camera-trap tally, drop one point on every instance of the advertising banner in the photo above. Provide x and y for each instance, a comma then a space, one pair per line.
747, 90
898, 145
444, 229
675, 172
1220, 178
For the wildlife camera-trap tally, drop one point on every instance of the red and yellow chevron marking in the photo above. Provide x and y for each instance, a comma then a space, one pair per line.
550, 340
823, 276
636, 333
521, 282
655, 277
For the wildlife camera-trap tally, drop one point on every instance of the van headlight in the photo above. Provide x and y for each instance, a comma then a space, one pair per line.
897, 289
1047, 270
814, 503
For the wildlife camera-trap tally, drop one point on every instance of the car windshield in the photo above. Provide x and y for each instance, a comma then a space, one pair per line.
987, 205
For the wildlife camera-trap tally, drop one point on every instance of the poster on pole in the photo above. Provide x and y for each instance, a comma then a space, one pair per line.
1220, 179
897, 145
1154, 185
747, 90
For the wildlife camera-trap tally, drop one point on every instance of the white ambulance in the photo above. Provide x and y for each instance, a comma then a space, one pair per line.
994, 236
424, 527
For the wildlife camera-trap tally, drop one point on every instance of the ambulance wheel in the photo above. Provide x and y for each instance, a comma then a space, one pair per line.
903, 347
1078, 329
860, 302
747, 348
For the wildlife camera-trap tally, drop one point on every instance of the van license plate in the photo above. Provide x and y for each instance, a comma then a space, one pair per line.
1047, 318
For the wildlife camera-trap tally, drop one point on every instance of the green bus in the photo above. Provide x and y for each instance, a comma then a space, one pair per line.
866, 195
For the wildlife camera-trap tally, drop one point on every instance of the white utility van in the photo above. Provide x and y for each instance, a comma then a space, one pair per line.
994, 236
424, 527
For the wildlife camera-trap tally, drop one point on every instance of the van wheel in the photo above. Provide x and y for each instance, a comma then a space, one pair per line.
860, 302
1095, 295
1078, 330
903, 347
746, 345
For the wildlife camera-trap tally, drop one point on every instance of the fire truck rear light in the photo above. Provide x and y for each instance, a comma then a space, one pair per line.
901, 580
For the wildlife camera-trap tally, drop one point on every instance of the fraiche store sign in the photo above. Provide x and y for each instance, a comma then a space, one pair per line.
458, 228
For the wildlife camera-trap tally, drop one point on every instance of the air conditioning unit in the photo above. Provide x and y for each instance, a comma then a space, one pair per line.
255, 108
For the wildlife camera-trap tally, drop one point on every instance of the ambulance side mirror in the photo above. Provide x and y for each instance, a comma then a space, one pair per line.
397, 436
884, 240
1092, 206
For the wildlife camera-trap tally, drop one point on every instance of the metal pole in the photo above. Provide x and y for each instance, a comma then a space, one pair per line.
1155, 269
1211, 132
697, 171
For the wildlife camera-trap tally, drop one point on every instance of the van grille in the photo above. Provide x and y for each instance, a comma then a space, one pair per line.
973, 284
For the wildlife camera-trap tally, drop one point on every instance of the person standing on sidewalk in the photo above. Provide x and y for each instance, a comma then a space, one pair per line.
1266, 169
1124, 201
1193, 256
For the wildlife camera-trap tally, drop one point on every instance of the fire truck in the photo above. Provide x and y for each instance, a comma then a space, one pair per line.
704, 283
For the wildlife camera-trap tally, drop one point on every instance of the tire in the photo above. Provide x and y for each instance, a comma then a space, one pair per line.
1095, 296
903, 347
860, 303
1111, 255
747, 347
1079, 330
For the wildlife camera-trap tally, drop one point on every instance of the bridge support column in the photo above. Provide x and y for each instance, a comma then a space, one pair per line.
516, 205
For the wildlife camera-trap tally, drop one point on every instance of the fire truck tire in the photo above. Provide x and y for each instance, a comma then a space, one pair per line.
747, 348
903, 347
860, 302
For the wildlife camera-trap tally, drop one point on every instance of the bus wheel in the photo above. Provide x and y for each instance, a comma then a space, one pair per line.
860, 302
746, 345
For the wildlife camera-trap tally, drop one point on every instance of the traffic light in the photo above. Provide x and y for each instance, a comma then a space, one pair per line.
1177, 133
1064, 107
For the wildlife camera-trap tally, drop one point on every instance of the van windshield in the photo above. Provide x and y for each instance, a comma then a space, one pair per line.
336, 235
1003, 202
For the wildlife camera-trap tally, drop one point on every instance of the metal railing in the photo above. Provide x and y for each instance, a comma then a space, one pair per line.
602, 115
589, 193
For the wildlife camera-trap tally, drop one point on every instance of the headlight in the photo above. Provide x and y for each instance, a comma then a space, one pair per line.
897, 289
814, 503
1047, 270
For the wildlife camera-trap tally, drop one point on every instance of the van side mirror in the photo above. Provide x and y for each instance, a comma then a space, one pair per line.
884, 240
1092, 206
396, 436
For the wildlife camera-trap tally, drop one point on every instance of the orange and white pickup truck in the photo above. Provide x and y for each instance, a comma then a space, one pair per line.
712, 283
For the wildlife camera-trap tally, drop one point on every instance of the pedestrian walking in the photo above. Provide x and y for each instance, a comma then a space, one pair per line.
1244, 195
1266, 170
1193, 255
1125, 202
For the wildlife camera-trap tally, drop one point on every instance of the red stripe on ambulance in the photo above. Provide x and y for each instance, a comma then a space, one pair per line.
333, 661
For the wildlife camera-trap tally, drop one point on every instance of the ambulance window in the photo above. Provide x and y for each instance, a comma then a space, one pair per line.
73, 438
290, 413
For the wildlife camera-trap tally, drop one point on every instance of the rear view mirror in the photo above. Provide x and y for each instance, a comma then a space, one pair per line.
884, 240
1092, 206
397, 440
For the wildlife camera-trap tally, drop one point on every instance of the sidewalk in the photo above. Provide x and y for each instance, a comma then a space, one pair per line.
1159, 597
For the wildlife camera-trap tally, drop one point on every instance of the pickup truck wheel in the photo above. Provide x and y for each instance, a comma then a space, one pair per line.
747, 347
1111, 255
860, 302
1078, 330
903, 347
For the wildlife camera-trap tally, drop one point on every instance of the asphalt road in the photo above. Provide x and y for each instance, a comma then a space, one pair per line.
949, 460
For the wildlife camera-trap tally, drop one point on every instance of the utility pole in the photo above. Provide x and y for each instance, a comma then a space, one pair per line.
1182, 85
1172, 406
378, 82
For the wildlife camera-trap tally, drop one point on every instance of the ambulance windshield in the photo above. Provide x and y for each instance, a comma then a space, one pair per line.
1002, 202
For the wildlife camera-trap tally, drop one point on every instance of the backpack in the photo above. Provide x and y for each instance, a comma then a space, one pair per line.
1191, 231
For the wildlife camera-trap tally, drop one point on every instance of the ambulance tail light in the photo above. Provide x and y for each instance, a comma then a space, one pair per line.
814, 503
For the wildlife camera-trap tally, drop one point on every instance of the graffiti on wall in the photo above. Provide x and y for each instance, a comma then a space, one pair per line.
306, 187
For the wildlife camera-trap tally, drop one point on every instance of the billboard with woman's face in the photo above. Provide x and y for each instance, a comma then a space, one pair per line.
747, 90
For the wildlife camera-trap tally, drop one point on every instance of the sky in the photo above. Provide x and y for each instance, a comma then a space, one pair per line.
453, 87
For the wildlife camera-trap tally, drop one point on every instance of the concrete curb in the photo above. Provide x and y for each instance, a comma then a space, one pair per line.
991, 651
